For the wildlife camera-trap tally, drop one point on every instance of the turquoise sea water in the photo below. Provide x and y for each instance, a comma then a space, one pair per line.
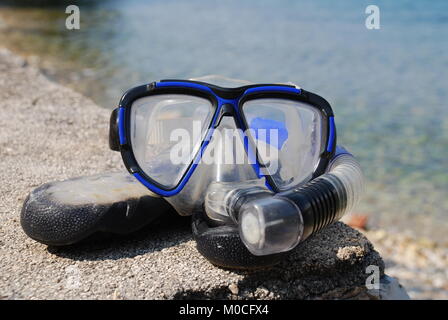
388, 87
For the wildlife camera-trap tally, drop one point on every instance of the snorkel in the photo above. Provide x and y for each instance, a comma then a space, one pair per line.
270, 222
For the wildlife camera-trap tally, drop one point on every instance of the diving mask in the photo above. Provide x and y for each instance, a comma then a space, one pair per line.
240, 152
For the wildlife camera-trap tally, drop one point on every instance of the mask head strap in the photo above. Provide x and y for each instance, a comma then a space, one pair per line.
114, 140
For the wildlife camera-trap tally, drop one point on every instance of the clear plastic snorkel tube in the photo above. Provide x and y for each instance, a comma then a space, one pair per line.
271, 223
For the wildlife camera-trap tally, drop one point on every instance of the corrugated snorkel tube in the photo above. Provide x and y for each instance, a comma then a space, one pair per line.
271, 223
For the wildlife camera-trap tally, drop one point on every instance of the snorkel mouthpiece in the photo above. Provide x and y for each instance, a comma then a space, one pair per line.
271, 223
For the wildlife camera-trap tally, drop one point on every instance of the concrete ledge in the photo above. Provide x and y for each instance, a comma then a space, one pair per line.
52, 133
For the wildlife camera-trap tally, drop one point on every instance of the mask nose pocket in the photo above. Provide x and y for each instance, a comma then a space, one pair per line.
224, 160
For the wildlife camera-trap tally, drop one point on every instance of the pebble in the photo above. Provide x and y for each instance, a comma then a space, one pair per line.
234, 289
418, 263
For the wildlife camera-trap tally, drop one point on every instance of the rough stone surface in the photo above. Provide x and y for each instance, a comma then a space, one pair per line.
49, 132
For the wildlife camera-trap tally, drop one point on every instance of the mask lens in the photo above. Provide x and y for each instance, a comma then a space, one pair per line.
166, 133
287, 136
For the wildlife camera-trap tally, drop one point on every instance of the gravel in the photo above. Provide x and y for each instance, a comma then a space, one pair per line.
420, 264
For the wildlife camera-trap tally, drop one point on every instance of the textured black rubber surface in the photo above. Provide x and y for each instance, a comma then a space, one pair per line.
222, 246
47, 219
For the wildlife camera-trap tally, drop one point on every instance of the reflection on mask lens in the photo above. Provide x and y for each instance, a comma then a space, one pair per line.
290, 128
166, 133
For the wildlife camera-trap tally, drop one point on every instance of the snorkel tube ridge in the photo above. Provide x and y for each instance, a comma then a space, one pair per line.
271, 223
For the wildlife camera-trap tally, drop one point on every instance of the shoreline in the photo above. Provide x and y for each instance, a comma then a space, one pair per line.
419, 264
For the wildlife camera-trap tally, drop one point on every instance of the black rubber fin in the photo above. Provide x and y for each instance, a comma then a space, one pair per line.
66, 212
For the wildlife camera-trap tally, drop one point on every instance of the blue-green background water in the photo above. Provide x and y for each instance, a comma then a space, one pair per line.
388, 87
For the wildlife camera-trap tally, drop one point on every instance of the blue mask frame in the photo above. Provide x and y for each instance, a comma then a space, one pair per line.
226, 101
